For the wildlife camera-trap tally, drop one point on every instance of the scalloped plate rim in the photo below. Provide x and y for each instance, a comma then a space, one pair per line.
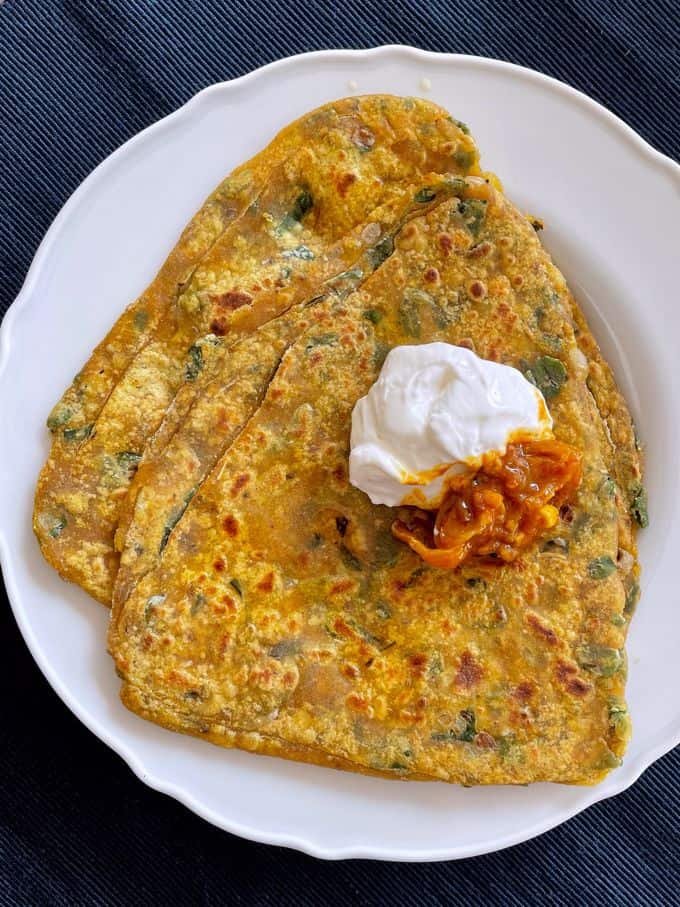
625, 776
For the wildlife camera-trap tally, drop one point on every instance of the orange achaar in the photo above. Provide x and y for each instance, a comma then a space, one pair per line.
498, 509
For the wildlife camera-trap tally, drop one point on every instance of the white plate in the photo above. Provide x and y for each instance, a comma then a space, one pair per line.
612, 208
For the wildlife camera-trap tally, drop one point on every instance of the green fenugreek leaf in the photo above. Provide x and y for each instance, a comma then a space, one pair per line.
465, 159
548, 374
59, 416
78, 434
368, 637
195, 363
632, 596
373, 315
352, 274
608, 486
128, 459
456, 185
436, 665
638, 505
381, 251
473, 212
601, 660
556, 546
303, 205
141, 319
409, 316
198, 603
383, 610
172, 521
463, 730
508, 748
425, 195
380, 352
58, 528
601, 567
554, 341
344, 284
610, 760
618, 716
302, 252
321, 340
285, 648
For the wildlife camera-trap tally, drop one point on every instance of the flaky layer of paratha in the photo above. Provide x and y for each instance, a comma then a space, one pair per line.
283, 617
298, 214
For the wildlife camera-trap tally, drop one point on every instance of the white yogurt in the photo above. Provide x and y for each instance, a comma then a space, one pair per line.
435, 410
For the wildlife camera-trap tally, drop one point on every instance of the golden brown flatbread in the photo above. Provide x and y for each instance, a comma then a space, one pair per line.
282, 616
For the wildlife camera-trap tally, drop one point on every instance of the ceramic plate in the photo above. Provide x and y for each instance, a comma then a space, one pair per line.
612, 208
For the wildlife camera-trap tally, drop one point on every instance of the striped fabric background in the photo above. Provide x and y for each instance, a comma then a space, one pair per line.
79, 77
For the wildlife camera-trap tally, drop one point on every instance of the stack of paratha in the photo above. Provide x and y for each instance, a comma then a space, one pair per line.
198, 478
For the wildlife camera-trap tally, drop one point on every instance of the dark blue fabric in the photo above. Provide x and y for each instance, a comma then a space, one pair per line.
77, 78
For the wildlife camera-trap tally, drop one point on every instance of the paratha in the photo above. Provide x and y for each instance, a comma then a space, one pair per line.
283, 617
298, 214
